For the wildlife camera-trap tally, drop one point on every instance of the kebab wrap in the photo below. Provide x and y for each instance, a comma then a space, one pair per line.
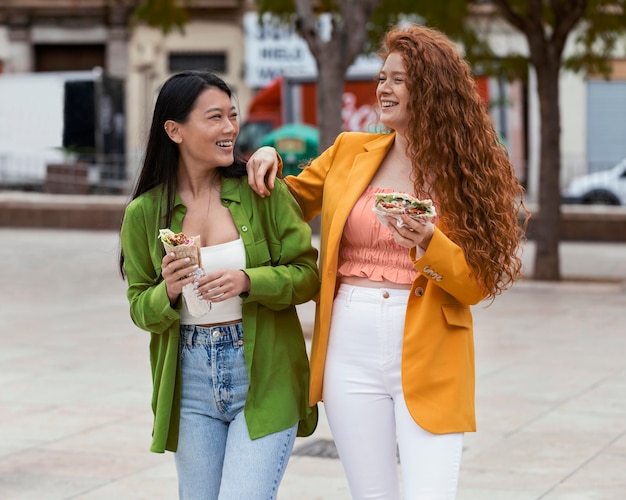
397, 204
181, 245
185, 246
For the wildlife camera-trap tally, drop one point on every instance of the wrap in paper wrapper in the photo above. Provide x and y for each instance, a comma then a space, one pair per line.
184, 246
397, 204
192, 251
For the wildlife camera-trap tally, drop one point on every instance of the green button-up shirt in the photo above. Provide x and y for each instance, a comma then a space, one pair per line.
281, 264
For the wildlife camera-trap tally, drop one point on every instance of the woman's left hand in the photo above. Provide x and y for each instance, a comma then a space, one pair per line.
223, 284
261, 167
412, 233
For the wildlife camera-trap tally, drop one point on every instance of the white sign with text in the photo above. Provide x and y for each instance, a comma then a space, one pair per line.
275, 48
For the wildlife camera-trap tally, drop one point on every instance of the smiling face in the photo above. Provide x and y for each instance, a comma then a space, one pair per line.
392, 93
208, 135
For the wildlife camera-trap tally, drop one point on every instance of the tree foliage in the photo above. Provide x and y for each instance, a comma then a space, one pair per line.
163, 14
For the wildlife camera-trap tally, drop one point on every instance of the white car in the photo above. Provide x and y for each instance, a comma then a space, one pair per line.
607, 187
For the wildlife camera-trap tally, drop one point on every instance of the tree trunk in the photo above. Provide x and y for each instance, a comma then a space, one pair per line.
333, 56
329, 99
547, 266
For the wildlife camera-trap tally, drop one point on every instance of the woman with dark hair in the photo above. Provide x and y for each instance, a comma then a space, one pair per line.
231, 382
393, 351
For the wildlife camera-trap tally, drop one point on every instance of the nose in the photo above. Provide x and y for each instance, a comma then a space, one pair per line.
230, 126
383, 87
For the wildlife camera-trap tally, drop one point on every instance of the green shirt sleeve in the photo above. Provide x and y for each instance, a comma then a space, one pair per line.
150, 307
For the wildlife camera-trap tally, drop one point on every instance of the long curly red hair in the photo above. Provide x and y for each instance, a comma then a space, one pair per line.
458, 157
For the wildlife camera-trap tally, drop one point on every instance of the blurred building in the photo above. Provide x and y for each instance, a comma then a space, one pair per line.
76, 35
47, 36
61, 35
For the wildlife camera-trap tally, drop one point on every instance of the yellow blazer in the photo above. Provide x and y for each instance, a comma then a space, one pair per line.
438, 349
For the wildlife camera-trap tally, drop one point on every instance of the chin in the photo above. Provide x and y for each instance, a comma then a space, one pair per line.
228, 154
390, 124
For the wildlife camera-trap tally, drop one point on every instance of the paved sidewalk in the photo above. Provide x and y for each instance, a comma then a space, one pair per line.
75, 414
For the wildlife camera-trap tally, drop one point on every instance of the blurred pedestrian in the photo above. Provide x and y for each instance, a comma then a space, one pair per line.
230, 385
393, 351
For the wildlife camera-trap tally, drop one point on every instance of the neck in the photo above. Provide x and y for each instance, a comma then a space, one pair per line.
201, 184
401, 144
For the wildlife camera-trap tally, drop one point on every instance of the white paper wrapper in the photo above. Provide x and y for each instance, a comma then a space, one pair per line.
196, 305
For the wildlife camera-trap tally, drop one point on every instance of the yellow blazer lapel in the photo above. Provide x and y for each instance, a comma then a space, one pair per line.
363, 169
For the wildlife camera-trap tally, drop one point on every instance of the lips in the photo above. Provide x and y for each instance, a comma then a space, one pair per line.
387, 104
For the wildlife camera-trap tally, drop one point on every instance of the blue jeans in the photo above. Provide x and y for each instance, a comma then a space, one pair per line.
216, 459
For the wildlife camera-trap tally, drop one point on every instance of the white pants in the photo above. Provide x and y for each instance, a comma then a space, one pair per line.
365, 405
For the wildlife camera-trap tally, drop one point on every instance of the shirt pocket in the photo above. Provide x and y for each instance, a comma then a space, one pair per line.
457, 316
260, 253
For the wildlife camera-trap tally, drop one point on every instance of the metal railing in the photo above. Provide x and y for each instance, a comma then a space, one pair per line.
57, 173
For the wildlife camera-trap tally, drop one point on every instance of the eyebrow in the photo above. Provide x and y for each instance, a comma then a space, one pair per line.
217, 108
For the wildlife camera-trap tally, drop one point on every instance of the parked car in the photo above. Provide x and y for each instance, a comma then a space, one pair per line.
607, 187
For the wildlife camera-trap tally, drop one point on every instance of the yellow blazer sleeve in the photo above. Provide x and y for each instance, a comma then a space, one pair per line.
444, 264
308, 187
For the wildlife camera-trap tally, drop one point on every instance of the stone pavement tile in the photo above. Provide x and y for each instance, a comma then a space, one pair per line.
39, 487
600, 478
310, 478
158, 482
607, 397
483, 484
44, 474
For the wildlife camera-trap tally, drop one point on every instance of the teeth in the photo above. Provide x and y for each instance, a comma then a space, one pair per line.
225, 144
388, 104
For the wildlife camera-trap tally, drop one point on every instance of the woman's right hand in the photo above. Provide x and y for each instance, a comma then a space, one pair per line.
263, 162
176, 274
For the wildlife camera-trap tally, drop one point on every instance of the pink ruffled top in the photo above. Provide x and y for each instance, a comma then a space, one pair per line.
368, 249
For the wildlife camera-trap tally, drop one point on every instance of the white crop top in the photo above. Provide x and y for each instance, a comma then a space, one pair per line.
230, 255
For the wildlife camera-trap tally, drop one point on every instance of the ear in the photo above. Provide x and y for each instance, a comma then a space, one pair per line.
172, 129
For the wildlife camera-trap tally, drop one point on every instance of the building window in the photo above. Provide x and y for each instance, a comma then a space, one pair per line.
70, 57
212, 61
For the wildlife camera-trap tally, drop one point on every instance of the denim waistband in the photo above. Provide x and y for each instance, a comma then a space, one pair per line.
192, 335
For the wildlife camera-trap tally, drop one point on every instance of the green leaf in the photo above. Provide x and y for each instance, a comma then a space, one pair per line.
163, 14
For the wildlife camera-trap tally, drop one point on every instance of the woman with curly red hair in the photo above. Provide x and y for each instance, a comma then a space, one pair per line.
393, 352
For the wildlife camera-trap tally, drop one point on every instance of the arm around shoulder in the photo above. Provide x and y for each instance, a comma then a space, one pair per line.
292, 278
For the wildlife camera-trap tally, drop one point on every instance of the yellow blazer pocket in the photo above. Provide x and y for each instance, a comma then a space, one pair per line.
457, 316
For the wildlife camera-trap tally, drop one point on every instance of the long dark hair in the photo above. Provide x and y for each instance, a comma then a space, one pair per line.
175, 101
